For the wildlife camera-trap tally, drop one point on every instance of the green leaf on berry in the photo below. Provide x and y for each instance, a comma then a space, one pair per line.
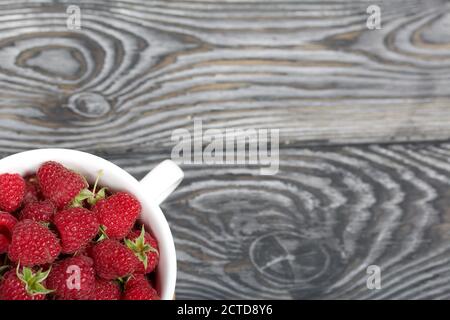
92, 197
101, 194
84, 194
103, 235
140, 248
33, 281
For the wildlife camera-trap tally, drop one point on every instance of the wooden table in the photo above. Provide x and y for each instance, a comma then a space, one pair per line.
364, 114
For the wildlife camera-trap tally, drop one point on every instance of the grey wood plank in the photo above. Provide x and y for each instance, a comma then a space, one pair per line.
311, 231
139, 69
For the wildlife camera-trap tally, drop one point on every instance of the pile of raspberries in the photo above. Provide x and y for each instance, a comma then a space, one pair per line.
62, 239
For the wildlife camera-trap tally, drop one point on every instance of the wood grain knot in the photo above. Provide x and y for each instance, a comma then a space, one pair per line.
89, 104
51, 61
287, 258
46, 60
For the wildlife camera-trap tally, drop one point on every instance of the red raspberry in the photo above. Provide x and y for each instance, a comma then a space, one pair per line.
76, 227
145, 248
87, 249
4, 243
138, 288
59, 184
137, 279
40, 211
32, 192
72, 278
117, 213
24, 285
12, 191
7, 223
106, 290
112, 259
33, 244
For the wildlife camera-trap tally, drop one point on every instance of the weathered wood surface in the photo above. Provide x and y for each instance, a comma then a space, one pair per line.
310, 231
140, 69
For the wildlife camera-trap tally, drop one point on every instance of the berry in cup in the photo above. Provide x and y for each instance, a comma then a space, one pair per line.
64, 239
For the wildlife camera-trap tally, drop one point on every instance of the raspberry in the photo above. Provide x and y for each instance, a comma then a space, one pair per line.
117, 214
59, 184
33, 244
4, 243
145, 248
7, 223
40, 211
106, 290
72, 278
24, 285
112, 259
32, 192
12, 191
139, 288
76, 227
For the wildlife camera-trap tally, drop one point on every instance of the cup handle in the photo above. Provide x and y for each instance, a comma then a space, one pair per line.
162, 180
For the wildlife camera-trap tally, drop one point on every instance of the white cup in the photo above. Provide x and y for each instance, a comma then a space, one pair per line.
150, 191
